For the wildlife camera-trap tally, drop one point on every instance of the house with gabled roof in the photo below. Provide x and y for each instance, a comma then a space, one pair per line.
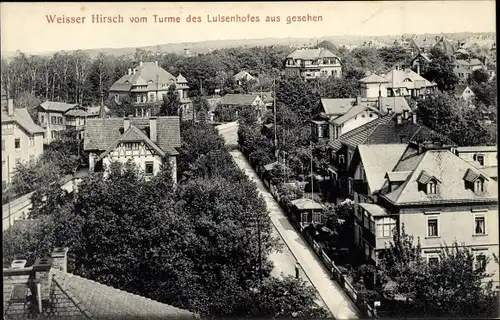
46, 290
232, 104
437, 196
407, 83
148, 142
484, 158
22, 139
464, 68
244, 76
313, 63
388, 129
148, 83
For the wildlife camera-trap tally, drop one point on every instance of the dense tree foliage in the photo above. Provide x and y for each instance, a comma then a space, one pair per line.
452, 287
465, 126
440, 70
171, 103
195, 246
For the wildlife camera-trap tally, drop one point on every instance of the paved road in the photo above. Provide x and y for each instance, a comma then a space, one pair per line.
336, 301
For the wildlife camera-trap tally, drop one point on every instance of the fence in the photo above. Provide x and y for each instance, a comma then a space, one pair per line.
336, 274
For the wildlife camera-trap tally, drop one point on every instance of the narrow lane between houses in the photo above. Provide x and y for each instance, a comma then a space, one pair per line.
335, 299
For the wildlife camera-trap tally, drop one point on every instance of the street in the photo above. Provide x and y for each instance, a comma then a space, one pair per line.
334, 298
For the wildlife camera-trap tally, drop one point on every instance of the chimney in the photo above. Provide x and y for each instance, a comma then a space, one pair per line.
152, 129
43, 278
129, 71
18, 264
10, 107
398, 118
126, 123
60, 259
414, 118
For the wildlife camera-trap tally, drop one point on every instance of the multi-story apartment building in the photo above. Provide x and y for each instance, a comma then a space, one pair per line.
148, 83
435, 195
54, 117
464, 69
22, 139
388, 129
313, 63
146, 141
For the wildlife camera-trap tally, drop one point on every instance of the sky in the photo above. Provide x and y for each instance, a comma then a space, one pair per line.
24, 26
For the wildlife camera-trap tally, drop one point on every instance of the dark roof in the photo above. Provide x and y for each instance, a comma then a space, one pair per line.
446, 46
23, 119
100, 134
57, 106
385, 130
148, 74
74, 297
239, 99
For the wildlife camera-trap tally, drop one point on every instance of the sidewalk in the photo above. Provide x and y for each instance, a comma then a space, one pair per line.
337, 302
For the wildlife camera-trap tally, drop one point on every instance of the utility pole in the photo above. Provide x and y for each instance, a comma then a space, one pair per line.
260, 248
8, 190
275, 127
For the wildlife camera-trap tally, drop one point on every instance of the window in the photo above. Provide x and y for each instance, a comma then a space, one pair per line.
480, 159
32, 140
432, 261
53, 120
431, 187
479, 185
480, 225
17, 143
59, 120
341, 159
432, 227
480, 261
385, 227
128, 146
316, 217
149, 168
42, 119
117, 97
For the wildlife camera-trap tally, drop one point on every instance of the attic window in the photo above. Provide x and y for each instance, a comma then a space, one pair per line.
474, 181
407, 80
431, 187
480, 158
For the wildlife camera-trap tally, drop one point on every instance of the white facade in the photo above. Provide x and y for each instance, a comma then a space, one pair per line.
371, 90
18, 146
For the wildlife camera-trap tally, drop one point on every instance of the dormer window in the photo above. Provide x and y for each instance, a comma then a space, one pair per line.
474, 181
480, 158
407, 80
428, 183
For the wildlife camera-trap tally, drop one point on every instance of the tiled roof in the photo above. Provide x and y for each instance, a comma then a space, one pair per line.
74, 297
353, 112
397, 80
378, 160
57, 106
373, 78
307, 204
397, 176
396, 104
149, 73
374, 209
358, 135
100, 133
450, 170
337, 106
243, 74
76, 113
23, 119
239, 99
467, 63
446, 46
311, 54
266, 96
